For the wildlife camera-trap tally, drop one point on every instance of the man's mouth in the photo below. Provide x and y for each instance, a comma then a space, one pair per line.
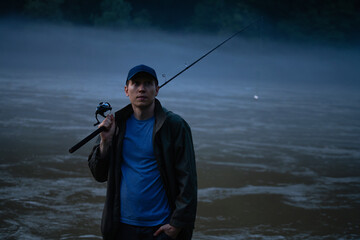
141, 97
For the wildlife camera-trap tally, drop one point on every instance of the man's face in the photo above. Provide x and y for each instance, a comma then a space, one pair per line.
141, 91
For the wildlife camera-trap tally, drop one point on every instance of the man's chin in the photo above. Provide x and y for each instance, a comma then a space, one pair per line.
143, 104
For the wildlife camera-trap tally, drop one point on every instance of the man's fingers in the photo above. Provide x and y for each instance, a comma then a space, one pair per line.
160, 230
107, 122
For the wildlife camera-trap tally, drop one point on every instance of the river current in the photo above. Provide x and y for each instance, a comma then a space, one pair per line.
277, 146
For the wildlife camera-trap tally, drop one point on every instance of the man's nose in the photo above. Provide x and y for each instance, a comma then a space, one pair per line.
142, 87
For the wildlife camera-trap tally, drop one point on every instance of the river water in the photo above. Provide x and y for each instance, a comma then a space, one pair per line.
283, 166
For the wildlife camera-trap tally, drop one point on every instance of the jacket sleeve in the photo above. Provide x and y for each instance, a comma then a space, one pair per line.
99, 166
185, 170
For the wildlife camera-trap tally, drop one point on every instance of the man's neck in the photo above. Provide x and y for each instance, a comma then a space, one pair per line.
144, 113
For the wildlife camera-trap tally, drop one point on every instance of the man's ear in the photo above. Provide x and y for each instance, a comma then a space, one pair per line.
126, 89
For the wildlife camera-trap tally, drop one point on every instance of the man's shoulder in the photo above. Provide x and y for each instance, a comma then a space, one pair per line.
124, 113
175, 119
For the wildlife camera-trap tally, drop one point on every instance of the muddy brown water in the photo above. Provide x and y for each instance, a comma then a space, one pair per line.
284, 166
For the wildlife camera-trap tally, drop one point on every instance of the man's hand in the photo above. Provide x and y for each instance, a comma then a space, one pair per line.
106, 136
168, 230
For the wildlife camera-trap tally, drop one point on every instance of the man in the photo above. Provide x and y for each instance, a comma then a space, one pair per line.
147, 158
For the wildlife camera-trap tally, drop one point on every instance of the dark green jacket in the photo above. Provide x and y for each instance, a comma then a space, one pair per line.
174, 152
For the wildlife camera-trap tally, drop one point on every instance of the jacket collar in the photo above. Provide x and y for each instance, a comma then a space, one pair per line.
160, 115
124, 113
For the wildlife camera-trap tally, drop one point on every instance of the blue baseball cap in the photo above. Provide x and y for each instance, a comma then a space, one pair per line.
141, 69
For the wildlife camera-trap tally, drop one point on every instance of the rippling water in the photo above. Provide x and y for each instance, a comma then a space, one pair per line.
285, 166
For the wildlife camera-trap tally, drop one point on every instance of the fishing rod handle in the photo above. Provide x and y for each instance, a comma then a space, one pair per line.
86, 139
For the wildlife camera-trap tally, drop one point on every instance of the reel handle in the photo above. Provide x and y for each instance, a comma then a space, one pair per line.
86, 139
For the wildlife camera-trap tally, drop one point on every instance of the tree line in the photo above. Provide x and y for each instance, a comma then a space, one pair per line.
304, 20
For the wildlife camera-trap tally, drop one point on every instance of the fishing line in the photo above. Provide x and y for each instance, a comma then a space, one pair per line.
103, 107
259, 69
199, 59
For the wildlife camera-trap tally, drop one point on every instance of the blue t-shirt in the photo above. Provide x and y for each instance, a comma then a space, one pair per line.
143, 201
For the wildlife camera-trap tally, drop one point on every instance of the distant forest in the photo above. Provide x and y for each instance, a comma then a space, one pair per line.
301, 20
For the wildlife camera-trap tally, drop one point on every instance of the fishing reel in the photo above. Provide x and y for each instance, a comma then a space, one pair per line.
101, 109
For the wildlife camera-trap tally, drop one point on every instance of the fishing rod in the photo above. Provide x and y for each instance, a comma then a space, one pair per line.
199, 59
104, 107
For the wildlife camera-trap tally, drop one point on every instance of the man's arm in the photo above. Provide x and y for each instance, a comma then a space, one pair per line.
98, 160
185, 170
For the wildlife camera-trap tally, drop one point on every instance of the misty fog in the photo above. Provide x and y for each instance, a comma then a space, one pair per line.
105, 56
